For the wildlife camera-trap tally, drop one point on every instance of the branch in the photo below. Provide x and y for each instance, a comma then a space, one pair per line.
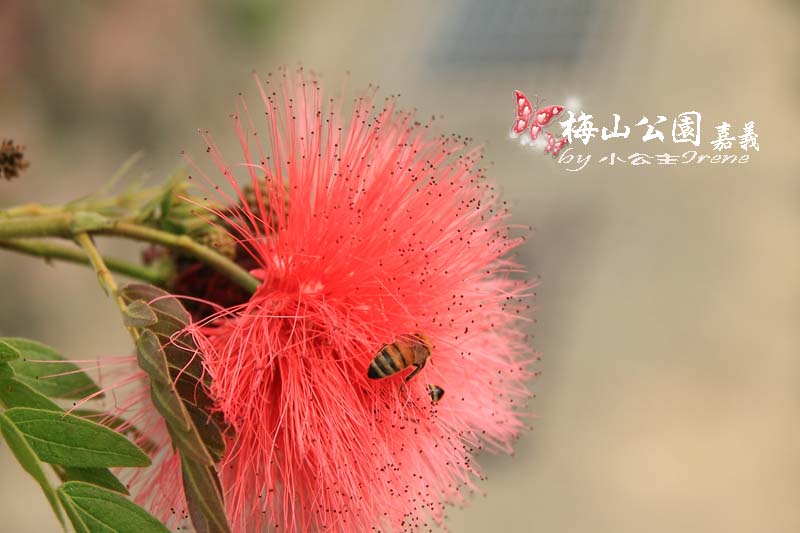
47, 250
104, 276
68, 224
185, 244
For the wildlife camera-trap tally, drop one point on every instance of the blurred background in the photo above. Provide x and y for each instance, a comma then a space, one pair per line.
668, 305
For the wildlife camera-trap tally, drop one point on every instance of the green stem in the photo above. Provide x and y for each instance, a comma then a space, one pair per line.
68, 224
185, 244
48, 225
104, 276
107, 281
29, 210
49, 250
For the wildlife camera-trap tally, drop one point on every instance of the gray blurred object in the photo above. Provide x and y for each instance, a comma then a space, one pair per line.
518, 33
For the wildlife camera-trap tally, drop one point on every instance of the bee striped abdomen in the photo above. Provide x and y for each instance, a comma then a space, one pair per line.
409, 350
392, 358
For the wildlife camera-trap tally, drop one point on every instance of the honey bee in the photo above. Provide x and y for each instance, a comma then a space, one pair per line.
435, 392
409, 350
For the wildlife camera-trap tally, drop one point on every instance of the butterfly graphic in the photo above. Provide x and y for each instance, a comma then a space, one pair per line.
535, 119
554, 145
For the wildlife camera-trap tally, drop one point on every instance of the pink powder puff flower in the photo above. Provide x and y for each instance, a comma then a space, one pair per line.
364, 232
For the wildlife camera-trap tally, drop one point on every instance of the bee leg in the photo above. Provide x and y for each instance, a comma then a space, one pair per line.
414, 372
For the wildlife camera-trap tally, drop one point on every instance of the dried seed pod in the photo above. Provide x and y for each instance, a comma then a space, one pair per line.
12, 159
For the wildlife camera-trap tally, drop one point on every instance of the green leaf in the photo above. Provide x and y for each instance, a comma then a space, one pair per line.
8, 352
209, 431
151, 357
163, 303
68, 440
94, 509
166, 200
74, 517
46, 371
14, 393
168, 402
182, 431
115, 422
27, 459
6, 371
179, 394
138, 314
101, 477
183, 357
180, 352
204, 497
